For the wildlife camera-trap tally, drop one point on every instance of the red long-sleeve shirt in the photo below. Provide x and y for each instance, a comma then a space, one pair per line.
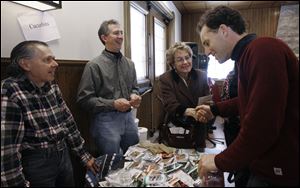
268, 104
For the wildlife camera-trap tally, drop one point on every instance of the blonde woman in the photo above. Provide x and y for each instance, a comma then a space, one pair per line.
180, 89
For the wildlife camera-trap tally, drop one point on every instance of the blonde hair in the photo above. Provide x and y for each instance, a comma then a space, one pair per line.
171, 52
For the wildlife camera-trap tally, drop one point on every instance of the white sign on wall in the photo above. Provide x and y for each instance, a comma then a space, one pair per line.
39, 26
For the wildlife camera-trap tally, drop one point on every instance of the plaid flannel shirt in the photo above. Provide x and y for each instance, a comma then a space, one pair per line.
33, 118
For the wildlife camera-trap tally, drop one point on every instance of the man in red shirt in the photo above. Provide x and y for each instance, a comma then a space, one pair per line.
267, 102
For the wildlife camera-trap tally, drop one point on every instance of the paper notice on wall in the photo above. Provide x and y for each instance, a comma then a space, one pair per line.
38, 26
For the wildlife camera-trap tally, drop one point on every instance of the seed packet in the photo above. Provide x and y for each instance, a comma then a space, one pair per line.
194, 173
165, 155
194, 158
172, 167
134, 155
151, 158
103, 184
155, 180
181, 158
147, 166
168, 161
177, 183
188, 167
133, 164
153, 167
183, 177
198, 183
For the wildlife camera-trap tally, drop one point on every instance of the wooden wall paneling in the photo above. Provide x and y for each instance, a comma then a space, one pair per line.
158, 113
262, 21
4, 64
188, 30
144, 112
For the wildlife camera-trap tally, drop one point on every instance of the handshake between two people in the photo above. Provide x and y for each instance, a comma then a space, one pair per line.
124, 105
201, 113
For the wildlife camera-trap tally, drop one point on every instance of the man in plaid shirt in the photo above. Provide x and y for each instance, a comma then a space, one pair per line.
36, 124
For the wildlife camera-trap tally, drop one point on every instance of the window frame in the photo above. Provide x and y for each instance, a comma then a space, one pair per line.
142, 7
162, 24
145, 47
153, 11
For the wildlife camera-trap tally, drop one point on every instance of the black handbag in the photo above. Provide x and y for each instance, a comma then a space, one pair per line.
184, 139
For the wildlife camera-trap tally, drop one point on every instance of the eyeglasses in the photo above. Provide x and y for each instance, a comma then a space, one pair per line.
182, 59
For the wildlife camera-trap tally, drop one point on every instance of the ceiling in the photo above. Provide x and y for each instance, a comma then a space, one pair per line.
196, 6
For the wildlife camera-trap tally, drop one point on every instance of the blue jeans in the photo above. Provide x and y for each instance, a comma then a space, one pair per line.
48, 167
114, 131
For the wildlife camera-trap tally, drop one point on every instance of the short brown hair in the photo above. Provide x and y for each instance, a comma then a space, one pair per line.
222, 15
104, 30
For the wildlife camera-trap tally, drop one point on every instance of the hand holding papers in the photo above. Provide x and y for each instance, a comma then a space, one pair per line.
205, 100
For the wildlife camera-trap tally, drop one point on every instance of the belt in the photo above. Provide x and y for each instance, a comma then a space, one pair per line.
51, 147
58, 146
107, 111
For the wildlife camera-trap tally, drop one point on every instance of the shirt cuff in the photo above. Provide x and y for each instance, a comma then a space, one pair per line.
180, 111
85, 158
214, 110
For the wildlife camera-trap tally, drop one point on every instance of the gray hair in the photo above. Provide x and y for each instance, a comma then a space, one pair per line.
24, 50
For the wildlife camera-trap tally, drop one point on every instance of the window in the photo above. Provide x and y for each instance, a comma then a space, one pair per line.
219, 71
147, 26
160, 47
146, 23
138, 41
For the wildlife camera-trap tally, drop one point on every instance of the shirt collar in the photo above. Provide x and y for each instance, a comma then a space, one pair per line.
192, 75
33, 88
241, 45
117, 55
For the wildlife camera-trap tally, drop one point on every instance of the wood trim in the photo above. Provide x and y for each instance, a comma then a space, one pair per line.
72, 62
162, 9
60, 61
127, 29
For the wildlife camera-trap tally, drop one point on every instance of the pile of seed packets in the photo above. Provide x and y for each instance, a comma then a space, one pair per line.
144, 168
